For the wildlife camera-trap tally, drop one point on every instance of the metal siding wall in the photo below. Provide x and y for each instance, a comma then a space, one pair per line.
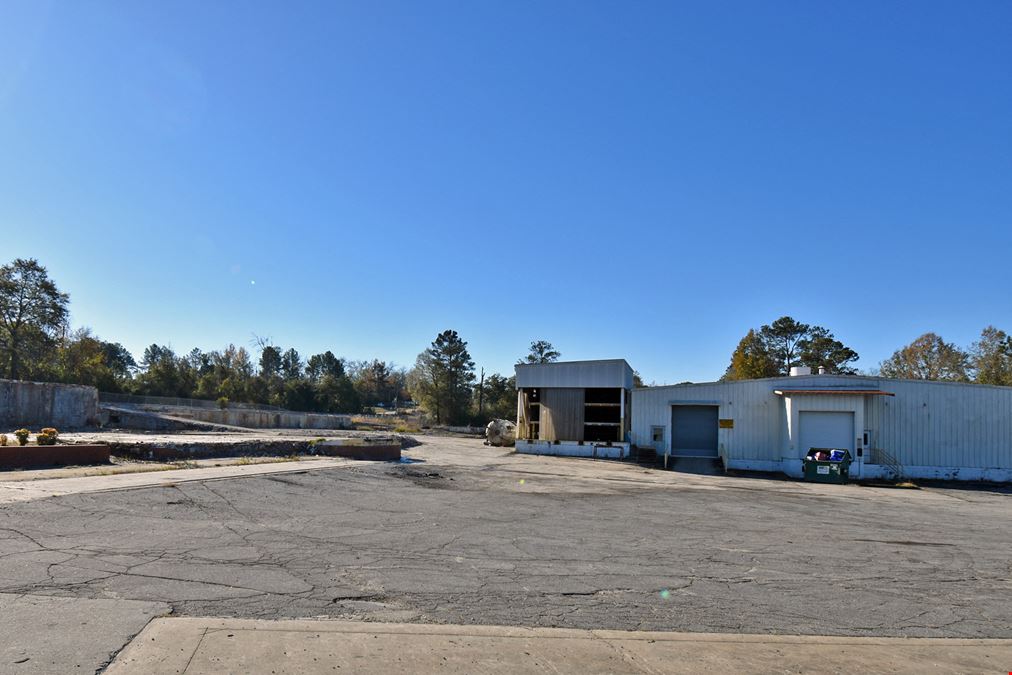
561, 415
948, 425
924, 424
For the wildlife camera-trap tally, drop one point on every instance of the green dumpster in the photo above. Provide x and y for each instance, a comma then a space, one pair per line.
827, 465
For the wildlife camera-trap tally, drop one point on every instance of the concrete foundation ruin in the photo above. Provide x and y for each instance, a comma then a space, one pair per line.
46, 404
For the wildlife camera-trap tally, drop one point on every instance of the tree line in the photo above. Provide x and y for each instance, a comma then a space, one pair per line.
36, 343
281, 377
988, 360
777, 347
773, 349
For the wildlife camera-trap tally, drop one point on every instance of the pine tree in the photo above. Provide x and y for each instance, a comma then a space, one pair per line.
443, 378
541, 351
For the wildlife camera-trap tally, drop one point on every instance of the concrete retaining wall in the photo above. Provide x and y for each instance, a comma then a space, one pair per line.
260, 419
46, 404
380, 450
574, 449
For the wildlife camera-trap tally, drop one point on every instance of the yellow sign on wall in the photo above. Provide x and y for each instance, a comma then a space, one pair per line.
725, 424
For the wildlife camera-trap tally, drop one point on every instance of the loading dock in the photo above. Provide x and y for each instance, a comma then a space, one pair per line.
694, 430
578, 408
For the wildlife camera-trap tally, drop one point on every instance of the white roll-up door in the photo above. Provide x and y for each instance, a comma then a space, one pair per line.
826, 430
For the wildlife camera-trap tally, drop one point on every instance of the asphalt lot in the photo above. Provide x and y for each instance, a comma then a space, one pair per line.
475, 535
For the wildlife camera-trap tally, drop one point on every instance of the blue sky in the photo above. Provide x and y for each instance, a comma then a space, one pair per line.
644, 180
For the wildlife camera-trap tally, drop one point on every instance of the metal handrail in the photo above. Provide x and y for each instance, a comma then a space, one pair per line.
886, 458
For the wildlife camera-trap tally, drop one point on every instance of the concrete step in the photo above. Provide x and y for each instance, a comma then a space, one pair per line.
195, 645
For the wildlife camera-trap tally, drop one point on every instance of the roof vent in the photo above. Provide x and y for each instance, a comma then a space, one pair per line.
822, 370
800, 370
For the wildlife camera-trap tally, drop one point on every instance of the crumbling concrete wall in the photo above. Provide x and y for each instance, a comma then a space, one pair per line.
256, 419
259, 419
47, 404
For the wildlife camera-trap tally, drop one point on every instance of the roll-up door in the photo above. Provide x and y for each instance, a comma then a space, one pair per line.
826, 430
694, 430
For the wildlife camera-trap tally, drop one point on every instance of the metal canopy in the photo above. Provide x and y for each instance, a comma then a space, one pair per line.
831, 392
693, 402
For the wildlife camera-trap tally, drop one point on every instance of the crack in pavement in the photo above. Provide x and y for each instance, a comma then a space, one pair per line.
362, 543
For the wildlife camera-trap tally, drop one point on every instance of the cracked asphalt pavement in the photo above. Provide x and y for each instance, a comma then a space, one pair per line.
476, 535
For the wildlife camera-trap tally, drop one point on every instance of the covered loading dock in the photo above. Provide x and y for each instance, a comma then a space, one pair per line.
576, 408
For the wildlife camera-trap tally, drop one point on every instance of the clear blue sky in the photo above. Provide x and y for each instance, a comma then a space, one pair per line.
643, 180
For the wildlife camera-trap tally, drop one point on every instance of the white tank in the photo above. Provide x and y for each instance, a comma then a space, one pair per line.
500, 432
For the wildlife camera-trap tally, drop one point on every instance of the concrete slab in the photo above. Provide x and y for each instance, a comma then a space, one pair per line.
20, 491
466, 534
60, 635
125, 465
196, 646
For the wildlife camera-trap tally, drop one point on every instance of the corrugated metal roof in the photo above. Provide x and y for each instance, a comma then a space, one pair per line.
577, 374
843, 380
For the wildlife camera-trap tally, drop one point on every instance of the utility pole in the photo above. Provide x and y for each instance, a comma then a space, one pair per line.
481, 393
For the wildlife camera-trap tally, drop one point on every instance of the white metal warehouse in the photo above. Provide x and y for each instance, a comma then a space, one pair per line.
914, 428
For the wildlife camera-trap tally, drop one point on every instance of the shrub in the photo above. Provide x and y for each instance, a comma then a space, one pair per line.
223, 402
22, 436
47, 436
